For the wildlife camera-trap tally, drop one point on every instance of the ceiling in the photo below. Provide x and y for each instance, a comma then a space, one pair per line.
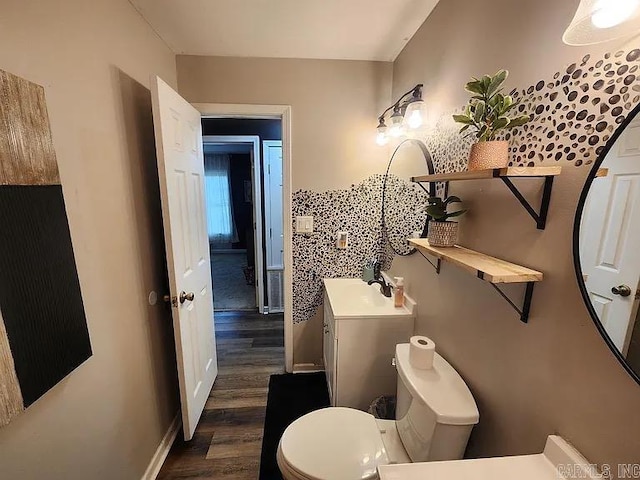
330, 29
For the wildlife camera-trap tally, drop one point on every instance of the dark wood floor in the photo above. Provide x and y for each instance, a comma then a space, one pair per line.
228, 440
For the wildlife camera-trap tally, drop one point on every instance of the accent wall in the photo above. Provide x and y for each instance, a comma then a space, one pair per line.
554, 374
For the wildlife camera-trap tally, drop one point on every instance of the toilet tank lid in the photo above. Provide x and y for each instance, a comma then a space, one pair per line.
441, 388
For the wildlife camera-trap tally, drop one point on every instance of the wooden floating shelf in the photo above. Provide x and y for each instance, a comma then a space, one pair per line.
509, 172
490, 269
487, 268
506, 174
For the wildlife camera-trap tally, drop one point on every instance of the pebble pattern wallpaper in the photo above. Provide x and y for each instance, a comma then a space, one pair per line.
358, 211
573, 115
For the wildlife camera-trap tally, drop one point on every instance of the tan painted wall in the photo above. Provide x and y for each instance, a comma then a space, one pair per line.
334, 108
106, 419
334, 104
554, 375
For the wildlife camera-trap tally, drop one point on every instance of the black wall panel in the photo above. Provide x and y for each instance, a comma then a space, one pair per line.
40, 296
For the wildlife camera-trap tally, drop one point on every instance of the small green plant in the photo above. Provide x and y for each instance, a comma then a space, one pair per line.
437, 208
487, 112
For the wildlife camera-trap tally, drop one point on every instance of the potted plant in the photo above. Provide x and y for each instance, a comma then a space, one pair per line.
488, 113
442, 232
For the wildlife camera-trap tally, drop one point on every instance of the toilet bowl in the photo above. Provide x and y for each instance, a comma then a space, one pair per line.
435, 413
344, 443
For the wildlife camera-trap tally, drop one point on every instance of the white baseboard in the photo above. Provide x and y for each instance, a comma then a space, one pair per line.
307, 368
163, 449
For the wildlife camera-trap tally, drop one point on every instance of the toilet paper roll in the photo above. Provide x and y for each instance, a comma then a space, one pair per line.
421, 351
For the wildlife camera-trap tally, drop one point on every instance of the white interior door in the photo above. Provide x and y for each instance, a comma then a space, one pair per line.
273, 203
181, 171
610, 236
274, 219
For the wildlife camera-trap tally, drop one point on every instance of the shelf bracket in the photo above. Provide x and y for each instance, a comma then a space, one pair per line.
423, 188
540, 218
526, 304
436, 265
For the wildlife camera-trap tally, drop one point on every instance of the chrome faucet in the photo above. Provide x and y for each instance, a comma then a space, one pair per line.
385, 288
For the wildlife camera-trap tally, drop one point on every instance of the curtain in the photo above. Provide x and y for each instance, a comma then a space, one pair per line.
220, 224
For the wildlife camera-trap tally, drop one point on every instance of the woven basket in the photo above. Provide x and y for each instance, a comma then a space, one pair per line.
443, 234
493, 154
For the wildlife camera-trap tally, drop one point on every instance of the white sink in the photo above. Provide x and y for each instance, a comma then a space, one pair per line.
353, 298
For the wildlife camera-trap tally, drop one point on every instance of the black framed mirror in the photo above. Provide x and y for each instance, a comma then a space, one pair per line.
403, 201
606, 243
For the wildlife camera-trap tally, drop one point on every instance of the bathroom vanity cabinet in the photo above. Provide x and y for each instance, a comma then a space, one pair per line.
361, 330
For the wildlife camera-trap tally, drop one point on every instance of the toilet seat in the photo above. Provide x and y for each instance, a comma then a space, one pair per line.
334, 443
287, 472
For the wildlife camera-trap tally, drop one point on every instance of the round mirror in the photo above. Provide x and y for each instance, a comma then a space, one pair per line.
607, 243
403, 202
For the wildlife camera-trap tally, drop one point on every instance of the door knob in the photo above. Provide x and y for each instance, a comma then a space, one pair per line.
622, 290
186, 296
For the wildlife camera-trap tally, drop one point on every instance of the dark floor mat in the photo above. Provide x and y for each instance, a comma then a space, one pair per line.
290, 397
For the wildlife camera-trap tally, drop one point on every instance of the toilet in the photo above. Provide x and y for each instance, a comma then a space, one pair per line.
435, 413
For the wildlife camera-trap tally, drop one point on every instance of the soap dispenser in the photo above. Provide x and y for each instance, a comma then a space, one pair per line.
398, 292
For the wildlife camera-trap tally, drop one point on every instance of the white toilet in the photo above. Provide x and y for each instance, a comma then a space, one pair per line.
435, 413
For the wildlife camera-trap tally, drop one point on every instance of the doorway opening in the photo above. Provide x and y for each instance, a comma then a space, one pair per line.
273, 278
244, 203
230, 194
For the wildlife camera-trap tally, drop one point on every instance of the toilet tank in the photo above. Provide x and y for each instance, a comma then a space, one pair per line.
435, 410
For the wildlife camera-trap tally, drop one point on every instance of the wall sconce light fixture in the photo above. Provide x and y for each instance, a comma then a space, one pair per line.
598, 21
408, 113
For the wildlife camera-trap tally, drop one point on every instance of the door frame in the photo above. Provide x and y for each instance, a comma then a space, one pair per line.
283, 113
258, 229
267, 214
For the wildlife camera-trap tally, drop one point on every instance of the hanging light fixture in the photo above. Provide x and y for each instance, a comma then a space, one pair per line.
416, 110
397, 119
599, 21
407, 114
381, 138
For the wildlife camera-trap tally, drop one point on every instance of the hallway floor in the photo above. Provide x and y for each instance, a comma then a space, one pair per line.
228, 439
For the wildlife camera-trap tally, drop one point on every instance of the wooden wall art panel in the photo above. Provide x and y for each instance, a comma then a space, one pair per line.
27, 156
43, 328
